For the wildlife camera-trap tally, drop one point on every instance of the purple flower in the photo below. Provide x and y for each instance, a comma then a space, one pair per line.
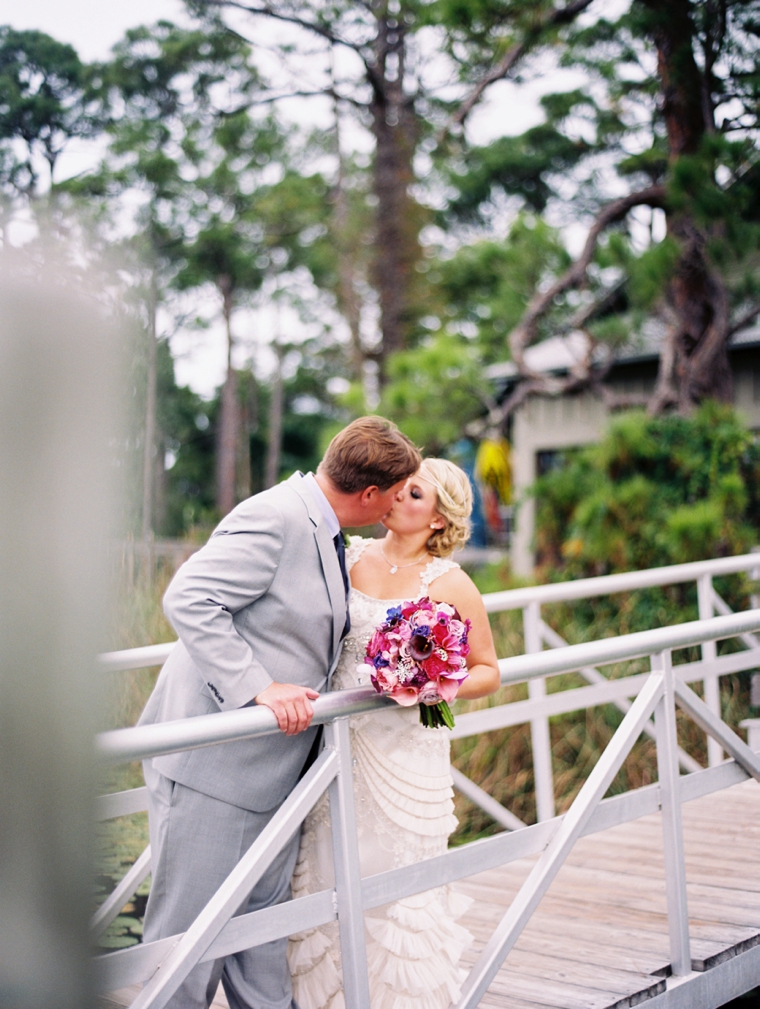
421, 646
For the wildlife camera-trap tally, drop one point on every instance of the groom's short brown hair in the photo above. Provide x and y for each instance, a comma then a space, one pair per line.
370, 452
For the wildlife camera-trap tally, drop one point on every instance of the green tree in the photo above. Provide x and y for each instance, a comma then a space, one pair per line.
393, 88
160, 82
670, 113
246, 231
435, 390
486, 285
185, 441
44, 103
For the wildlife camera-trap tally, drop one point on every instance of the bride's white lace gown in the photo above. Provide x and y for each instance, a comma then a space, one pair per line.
405, 813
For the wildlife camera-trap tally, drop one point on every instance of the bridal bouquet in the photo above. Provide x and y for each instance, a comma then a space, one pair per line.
418, 656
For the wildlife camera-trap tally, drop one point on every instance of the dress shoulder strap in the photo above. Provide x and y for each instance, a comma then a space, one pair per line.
435, 568
355, 548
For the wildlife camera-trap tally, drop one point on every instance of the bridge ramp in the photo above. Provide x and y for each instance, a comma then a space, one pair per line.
599, 938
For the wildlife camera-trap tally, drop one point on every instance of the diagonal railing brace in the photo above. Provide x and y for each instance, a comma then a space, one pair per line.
592, 675
246, 874
569, 830
717, 728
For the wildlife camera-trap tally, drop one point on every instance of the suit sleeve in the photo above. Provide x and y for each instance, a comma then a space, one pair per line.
233, 570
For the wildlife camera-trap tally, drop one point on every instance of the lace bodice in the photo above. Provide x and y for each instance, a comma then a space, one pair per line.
367, 613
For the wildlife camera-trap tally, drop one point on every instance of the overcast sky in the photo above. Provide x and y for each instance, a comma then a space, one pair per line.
91, 26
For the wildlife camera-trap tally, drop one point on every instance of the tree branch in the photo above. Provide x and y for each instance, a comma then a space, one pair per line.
267, 10
524, 334
270, 99
744, 320
665, 393
559, 16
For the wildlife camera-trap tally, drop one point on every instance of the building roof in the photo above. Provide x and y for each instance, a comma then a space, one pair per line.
558, 354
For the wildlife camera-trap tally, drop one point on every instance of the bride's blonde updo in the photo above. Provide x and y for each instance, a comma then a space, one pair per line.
454, 505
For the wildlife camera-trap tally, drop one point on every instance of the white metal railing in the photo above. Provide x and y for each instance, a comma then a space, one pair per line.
538, 635
216, 933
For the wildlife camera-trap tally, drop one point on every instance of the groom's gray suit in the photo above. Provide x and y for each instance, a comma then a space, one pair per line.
263, 601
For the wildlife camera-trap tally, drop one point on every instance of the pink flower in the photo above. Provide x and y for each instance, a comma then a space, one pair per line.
437, 664
385, 680
405, 696
447, 688
377, 643
430, 694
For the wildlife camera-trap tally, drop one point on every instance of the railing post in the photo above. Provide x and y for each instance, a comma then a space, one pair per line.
539, 727
353, 948
672, 828
709, 652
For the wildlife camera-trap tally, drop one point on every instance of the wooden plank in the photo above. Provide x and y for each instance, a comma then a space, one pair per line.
708, 962
565, 994
601, 952
613, 881
588, 975
126, 996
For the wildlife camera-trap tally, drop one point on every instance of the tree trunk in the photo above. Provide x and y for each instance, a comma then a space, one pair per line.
695, 365
349, 303
398, 216
229, 416
150, 414
244, 443
274, 447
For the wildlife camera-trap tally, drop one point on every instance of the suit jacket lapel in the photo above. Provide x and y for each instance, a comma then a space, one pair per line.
329, 558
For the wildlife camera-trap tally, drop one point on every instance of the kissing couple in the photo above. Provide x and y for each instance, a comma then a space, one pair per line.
276, 609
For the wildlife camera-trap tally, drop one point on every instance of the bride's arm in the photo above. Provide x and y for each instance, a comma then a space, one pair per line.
457, 588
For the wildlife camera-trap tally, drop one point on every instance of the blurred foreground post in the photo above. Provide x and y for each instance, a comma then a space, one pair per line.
56, 401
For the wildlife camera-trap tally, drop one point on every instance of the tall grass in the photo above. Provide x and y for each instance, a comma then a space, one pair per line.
501, 762
138, 619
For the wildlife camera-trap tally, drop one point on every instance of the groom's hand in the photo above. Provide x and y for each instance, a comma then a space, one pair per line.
291, 705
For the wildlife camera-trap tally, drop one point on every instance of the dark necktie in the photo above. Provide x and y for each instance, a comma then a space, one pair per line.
340, 550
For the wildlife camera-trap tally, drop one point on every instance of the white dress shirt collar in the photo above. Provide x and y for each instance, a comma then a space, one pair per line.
318, 497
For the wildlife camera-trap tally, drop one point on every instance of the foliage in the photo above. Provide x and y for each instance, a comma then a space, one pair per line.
43, 105
187, 426
433, 391
669, 108
486, 285
655, 491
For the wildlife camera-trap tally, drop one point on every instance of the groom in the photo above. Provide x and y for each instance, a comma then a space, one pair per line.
260, 612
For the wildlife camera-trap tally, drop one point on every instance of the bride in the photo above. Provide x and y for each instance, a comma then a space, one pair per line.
402, 781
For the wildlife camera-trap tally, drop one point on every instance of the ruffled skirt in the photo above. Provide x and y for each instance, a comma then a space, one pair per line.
404, 802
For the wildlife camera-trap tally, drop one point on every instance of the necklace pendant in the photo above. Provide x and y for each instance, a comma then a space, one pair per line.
394, 569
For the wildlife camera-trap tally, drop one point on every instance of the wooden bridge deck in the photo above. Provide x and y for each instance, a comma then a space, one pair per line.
600, 935
599, 938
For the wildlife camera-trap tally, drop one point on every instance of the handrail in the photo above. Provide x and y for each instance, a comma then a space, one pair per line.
512, 599
244, 723
627, 581
226, 726
136, 658
604, 651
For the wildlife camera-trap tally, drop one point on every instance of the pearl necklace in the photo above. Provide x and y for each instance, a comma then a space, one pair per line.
398, 567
